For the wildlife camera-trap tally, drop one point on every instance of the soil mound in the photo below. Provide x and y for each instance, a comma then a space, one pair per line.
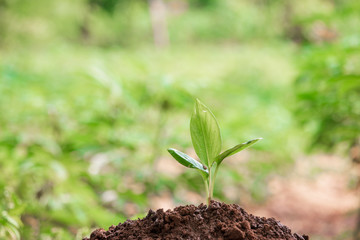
218, 221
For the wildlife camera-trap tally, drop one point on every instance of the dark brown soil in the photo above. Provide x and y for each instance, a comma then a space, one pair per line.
218, 221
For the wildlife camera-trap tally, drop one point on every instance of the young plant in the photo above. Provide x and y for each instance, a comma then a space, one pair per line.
206, 139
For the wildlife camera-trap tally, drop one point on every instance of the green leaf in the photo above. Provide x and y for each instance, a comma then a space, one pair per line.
13, 232
186, 160
235, 149
205, 133
10, 220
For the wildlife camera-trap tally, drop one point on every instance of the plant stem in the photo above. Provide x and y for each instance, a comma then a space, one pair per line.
210, 190
212, 183
206, 186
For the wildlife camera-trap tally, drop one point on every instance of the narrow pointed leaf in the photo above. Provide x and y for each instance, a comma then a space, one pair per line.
235, 149
186, 160
205, 133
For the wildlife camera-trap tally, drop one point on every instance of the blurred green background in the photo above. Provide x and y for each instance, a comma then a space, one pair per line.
93, 92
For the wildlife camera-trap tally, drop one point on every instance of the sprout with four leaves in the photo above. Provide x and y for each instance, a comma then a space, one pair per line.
206, 139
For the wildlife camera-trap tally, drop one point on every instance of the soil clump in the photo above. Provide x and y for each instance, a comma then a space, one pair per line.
216, 221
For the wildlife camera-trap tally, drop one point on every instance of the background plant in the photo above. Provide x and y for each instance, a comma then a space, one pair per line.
328, 88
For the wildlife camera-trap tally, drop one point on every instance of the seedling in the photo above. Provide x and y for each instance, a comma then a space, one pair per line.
206, 139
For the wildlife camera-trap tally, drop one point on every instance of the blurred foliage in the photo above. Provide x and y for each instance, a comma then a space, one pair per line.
328, 87
11, 209
89, 106
87, 21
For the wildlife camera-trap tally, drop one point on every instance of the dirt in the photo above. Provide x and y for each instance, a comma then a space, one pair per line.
307, 199
218, 221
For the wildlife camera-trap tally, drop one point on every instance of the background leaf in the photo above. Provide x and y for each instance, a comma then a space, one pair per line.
186, 160
235, 149
205, 133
